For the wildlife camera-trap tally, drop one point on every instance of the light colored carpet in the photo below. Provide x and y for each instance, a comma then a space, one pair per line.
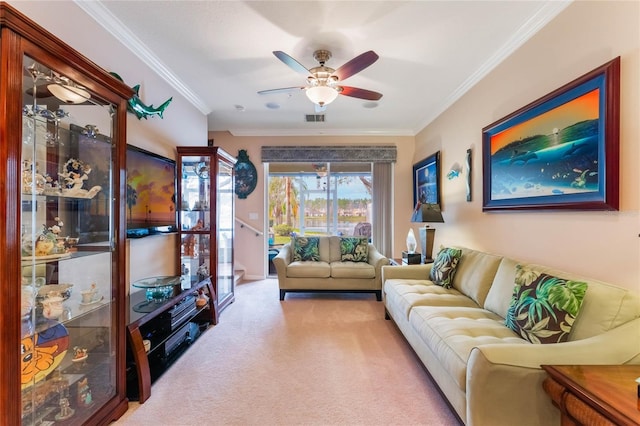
313, 359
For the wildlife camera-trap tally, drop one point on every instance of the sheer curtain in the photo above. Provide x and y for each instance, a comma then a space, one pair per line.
382, 234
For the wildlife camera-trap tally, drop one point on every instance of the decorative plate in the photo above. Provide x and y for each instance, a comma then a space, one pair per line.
42, 353
246, 175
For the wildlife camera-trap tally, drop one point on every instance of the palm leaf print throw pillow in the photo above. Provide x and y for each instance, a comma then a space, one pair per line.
306, 248
543, 307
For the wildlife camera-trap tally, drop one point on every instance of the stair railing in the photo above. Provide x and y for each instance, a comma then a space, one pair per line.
244, 224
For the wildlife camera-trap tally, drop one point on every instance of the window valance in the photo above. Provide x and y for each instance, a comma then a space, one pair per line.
305, 154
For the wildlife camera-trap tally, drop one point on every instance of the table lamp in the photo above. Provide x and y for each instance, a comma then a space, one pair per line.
427, 213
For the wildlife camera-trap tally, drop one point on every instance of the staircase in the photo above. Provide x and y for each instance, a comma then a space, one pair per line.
239, 270
238, 273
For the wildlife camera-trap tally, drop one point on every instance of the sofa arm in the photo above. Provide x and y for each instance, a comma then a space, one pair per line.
509, 376
282, 260
376, 259
617, 346
407, 272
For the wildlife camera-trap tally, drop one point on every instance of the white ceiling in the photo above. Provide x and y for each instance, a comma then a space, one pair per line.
218, 54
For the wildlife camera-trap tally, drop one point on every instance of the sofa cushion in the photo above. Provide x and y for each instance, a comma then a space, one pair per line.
354, 249
408, 293
305, 248
444, 266
475, 273
544, 307
309, 269
334, 248
324, 245
499, 297
451, 333
352, 270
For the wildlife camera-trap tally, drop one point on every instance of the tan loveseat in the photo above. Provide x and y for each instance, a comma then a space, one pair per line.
329, 273
489, 374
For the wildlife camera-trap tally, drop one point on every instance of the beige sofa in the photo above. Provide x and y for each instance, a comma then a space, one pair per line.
329, 274
489, 374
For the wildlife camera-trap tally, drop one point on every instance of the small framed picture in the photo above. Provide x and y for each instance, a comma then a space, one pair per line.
426, 180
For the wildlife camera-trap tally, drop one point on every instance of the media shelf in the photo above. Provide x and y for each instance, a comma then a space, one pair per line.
169, 326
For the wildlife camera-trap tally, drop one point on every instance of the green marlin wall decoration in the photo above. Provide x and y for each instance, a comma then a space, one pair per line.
137, 107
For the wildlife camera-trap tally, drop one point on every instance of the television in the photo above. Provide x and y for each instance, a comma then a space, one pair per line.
151, 193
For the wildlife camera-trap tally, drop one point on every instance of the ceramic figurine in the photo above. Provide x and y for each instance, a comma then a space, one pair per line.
84, 393
79, 354
48, 242
75, 172
90, 296
52, 305
27, 301
65, 409
202, 300
33, 182
137, 107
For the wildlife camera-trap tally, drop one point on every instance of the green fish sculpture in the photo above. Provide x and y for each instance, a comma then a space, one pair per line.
137, 107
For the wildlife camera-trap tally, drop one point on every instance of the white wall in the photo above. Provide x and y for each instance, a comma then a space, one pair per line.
603, 245
182, 124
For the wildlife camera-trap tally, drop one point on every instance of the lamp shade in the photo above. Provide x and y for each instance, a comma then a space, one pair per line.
427, 213
322, 95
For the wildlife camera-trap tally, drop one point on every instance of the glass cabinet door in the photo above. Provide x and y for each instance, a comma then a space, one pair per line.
206, 219
195, 219
68, 339
225, 221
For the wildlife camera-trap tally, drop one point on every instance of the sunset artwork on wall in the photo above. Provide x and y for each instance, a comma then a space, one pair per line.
560, 152
151, 189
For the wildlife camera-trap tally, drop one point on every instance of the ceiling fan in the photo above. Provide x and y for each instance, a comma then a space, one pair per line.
323, 83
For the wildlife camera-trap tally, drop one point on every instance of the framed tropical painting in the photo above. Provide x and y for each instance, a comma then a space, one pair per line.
559, 152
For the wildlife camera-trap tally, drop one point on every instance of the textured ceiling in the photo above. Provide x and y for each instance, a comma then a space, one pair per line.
218, 54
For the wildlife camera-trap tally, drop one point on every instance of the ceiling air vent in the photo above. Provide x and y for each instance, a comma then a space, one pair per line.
314, 118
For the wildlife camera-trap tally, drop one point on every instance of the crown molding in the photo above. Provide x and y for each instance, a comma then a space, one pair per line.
547, 12
102, 15
320, 132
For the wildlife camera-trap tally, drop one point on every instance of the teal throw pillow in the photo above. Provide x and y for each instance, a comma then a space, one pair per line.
444, 266
354, 249
306, 248
543, 307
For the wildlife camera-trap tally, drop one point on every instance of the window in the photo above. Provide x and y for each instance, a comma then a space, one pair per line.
319, 199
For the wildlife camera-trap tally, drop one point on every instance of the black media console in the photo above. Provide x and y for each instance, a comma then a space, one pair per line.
167, 328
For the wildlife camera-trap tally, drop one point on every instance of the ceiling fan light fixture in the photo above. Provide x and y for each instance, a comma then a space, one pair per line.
322, 95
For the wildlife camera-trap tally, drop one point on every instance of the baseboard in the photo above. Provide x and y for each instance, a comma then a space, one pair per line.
254, 277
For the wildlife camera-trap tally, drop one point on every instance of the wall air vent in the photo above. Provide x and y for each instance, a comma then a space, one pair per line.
314, 118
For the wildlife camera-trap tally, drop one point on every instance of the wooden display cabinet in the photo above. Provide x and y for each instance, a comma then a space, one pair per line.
62, 151
206, 219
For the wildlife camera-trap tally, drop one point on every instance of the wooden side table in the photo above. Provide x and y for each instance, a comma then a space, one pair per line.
594, 394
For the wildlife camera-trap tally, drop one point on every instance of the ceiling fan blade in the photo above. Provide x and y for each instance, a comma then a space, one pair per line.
355, 92
356, 65
291, 63
281, 90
